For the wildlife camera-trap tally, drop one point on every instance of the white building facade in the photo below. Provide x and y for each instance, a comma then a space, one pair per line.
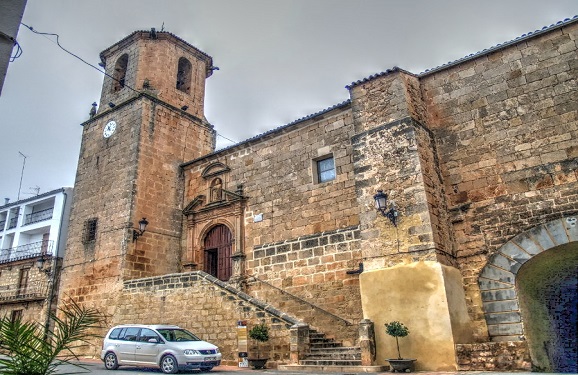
33, 234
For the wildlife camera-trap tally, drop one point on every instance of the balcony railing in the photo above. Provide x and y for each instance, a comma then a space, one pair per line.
35, 217
2, 224
31, 250
13, 222
35, 290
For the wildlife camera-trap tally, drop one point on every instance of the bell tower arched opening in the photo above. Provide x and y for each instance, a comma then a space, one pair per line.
120, 73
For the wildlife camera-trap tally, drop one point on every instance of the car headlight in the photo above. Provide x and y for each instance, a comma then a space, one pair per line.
191, 352
217, 350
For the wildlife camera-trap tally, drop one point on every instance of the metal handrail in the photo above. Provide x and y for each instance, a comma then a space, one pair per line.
35, 289
35, 217
13, 222
347, 322
31, 250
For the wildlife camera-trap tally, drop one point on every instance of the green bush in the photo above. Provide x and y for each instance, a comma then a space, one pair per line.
259, 333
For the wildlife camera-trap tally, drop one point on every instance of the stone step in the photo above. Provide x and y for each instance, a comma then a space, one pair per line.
330, 362
342, 369
328, 344
347, 349
335, 354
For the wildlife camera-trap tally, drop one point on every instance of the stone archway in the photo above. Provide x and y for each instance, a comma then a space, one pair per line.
498, 280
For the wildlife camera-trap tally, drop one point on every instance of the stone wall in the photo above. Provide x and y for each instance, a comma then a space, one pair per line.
306, 237
207, 307
506, 131
311, 280
494, 356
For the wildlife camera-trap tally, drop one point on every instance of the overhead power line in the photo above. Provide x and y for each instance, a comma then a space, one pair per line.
57, 42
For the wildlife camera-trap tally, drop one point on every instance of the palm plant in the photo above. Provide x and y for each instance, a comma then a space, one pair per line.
30, 348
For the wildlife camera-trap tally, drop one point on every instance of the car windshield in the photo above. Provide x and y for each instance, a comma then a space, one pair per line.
177, 335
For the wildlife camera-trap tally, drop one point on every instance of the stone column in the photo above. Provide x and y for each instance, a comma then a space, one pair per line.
367, 342
299, 339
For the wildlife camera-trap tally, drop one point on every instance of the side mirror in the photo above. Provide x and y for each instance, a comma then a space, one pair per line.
154, 340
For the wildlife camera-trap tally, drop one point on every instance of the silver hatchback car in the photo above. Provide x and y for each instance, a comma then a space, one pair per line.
168, 347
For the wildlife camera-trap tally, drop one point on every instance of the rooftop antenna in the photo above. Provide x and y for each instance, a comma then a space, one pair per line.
21, 174
36, 190
163, 27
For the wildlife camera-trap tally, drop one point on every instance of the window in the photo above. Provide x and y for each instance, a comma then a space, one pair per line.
130, 334
16, 315
147, 334
89, 234
119, 73
184, 75
23, 281
325, 169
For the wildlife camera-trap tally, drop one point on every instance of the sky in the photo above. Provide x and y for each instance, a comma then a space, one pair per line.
279, 61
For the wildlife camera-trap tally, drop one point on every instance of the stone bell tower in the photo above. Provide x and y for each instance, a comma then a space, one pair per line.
149, 121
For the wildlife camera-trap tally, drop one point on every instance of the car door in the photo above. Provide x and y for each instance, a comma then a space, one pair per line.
147, 352
126, 345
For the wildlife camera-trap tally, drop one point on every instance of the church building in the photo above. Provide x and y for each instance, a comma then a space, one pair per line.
445, 200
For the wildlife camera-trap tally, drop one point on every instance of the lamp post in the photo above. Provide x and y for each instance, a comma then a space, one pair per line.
142, 225
382, 206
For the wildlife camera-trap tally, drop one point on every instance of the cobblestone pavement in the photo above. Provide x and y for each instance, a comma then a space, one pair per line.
96, 367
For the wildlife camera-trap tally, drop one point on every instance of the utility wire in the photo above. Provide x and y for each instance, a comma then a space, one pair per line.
89, 64
18, 52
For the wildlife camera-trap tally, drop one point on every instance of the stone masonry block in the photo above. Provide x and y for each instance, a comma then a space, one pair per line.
572, 228
557, 231
494, 273
486, 284
513, 251
525, 241
507, 317
501, 306
505, 329
508, 264
499, 294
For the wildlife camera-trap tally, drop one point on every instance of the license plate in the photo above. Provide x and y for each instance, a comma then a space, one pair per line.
210, 359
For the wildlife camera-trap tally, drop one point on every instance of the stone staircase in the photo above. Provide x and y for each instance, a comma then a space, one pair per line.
328, 355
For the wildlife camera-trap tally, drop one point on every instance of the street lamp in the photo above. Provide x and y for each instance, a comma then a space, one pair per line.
381, 206
142, 225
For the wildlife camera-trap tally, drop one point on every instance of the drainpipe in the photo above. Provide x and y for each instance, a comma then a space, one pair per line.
55, 271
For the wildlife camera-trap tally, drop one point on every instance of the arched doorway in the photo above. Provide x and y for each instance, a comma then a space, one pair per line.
217, 254
529, 292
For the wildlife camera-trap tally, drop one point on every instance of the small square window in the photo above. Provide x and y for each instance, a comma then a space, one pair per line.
325, 169
90, 227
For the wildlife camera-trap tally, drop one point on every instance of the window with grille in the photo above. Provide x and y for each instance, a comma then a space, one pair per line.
90, 227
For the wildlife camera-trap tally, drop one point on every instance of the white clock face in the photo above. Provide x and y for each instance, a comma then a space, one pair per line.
109, 129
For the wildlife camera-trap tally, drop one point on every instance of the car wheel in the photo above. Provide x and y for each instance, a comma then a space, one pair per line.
206, 368
110, 361
169, 365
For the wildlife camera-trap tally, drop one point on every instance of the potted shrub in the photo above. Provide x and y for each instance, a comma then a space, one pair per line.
259, 333
397, 329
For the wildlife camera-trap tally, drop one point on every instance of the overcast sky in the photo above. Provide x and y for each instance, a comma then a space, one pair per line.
279, 61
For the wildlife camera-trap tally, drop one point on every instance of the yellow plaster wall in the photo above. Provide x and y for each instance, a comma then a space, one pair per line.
428, 298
